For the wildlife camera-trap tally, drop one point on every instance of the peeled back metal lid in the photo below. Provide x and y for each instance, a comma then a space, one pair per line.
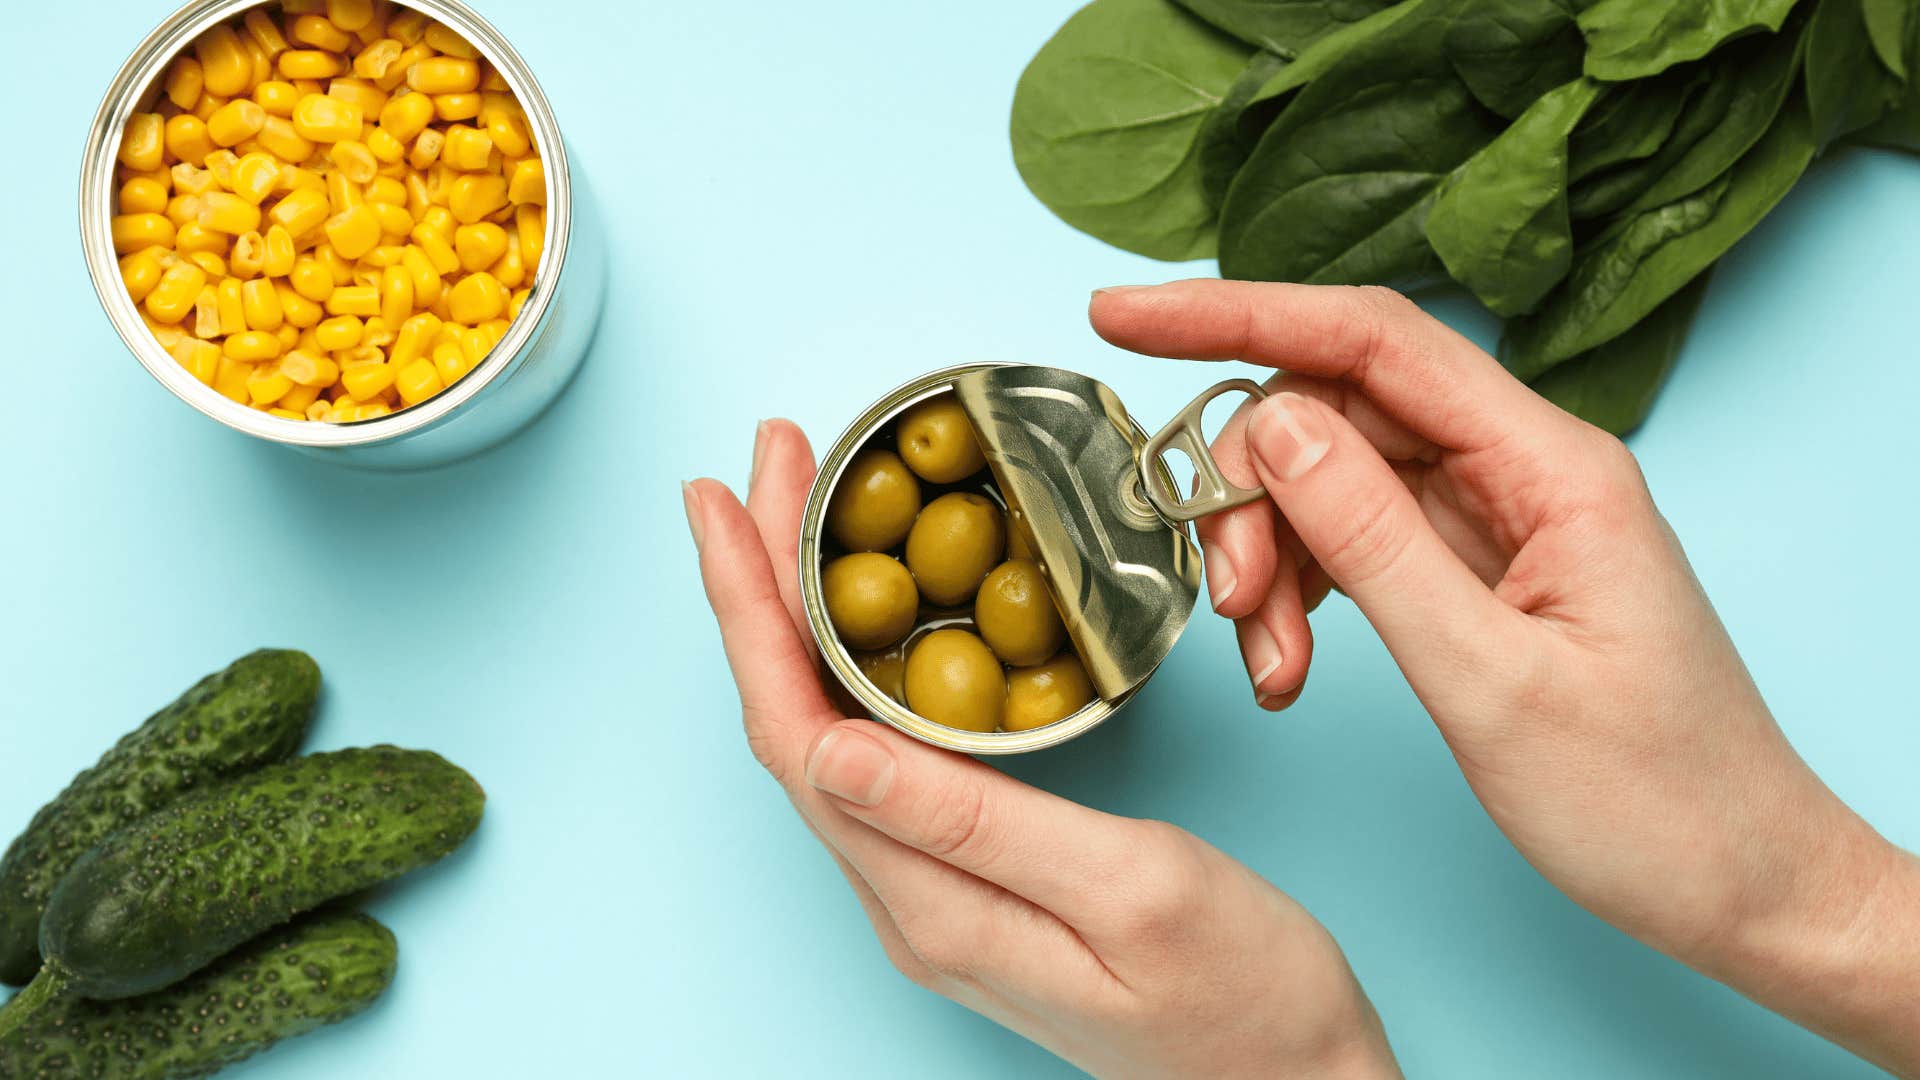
1066, 456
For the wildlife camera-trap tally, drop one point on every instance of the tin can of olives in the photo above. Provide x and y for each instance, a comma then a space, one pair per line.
1088, 498
522, 375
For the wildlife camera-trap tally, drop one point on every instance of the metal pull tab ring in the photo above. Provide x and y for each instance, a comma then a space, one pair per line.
1212, 491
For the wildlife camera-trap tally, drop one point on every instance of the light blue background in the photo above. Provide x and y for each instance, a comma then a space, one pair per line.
808, 204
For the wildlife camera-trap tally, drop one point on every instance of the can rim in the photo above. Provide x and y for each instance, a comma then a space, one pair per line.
146, 64
840, 660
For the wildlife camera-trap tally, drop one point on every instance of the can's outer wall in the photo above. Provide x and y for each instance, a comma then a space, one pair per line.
523, 374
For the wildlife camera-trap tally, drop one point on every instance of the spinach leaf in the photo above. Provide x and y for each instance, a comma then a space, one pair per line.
1511, 51
1632, 39
1632, 121
1499, 223
1612, 386
1707, 100
1339, 188
1887, 28
1278, 90
1223, 146
1285, 27
1847, 86
1106, 117
1644, 258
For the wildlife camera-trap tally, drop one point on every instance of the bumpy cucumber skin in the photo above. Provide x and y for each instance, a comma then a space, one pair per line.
254, 713
162, 898
317, 971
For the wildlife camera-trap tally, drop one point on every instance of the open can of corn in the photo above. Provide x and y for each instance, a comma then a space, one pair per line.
995, 558
346, 226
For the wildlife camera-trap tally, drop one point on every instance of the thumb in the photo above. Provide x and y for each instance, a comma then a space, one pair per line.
1367, 531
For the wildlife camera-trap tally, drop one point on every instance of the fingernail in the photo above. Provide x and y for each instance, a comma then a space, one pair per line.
1119, 289
1270, 702
1262, 654
1220, 577
692, 499
1288, 435
759, 445
852, 767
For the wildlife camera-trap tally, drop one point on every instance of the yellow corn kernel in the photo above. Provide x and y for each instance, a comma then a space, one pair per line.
310, 86
372, 410
426, 279
382, 189
295, 178
339, 332
342, 193
446, 41
259, 62
277, 96
366, 381
419, 381
281, 139
230, 378
440, 218
183, 210
300, 211
426, 149
194, 236
235, 122
360, 94
353, 232
184, 82
377, 59
362, 300
396, 295
480, 245
300, 312
289, 336
221, 164
474, 196
509, 133
378, 333
140, 272
517, 301
307, 369
384, 255
322, 119
206, 314
530, 225
320, 412
252, 346
450, 361
214, 265
200, 358
225, 66
340, 269
141, 195
208, 104
227, 213
451, 107
293, 404
529, 183
467, 148
175, 293
143, 142
433, 243
384, 146
353, 160
311, 279
394, 221
511, 268
444, 75
167, 336
395, 80
308, 64
249, 255
255, 176
278, 259
408, 25
316, 31
187, 138
262, 305
415, 336
265, 32
350, 15
476, 298
285, 413
266, 385
449, 332
230, 306
474, 346
406, 116
188, 180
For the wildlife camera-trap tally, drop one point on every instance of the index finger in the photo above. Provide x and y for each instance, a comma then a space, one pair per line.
1440, 385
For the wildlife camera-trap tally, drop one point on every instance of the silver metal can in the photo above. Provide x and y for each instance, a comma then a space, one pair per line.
1094, 499
509, 389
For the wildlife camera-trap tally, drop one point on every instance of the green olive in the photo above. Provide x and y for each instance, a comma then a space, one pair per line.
886, 670
874, 504
870, 598
1046, 694
1016, 614
938, 441
953, 679
957, 538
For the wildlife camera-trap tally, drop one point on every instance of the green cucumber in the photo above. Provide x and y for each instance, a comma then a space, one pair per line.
162, 898
317, 971
254, 713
